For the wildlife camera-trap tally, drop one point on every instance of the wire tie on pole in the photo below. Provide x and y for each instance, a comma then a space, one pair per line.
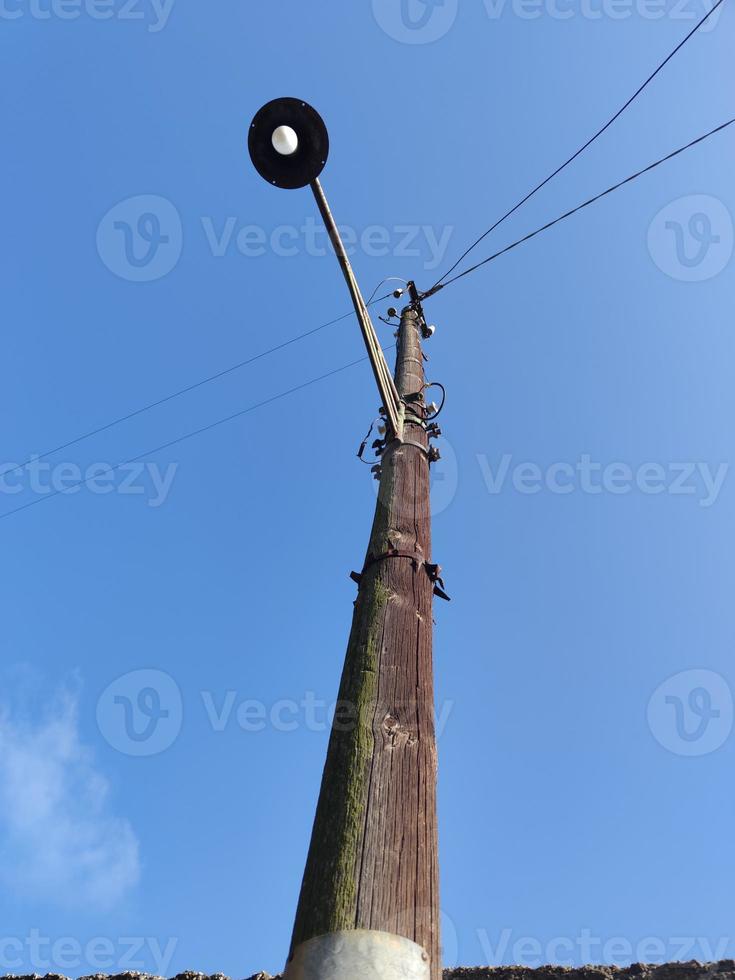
417, 560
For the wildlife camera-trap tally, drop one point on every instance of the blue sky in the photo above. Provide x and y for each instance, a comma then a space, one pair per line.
584, 667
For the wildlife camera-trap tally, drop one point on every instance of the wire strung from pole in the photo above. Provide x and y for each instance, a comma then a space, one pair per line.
440, 386
382, 281
191, 435
581, 150
191, 387
363, 445
585, 204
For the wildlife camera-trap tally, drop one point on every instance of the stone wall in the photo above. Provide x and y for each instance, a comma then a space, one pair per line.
724, 970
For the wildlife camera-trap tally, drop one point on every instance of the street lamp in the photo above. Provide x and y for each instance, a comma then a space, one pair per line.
289, 147
376, 918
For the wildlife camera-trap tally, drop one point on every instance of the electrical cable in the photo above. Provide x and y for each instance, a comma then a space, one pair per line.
191, 387
585, 204
387, 279
440, 386
190, 435
363, 445
306, 384
581, 150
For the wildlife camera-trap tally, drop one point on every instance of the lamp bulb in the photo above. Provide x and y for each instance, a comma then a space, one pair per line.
285, 141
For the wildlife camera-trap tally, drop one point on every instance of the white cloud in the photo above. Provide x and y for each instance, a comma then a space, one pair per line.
58, 839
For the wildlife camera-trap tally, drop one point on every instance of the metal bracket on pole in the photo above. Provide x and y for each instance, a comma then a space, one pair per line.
359, 954
383, 378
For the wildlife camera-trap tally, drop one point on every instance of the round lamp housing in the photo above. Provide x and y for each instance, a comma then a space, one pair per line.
288, 143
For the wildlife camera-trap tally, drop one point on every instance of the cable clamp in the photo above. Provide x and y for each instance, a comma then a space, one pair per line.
363, 444
434, 573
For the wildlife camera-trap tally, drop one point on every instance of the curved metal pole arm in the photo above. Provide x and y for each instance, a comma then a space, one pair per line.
383, 378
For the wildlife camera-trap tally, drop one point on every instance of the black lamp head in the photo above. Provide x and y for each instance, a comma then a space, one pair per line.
288, 143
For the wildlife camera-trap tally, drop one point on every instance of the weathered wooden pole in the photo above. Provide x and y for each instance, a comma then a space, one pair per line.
372, 880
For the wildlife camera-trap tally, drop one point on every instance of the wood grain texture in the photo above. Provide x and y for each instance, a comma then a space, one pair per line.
373, 857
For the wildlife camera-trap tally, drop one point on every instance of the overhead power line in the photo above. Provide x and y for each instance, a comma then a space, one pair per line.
190, 435
585, 204
191, 387
581, 150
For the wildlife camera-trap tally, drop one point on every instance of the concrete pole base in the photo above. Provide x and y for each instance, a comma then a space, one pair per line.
359, 954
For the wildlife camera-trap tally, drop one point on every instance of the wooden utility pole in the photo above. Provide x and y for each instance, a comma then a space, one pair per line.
373, 859
369, 904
